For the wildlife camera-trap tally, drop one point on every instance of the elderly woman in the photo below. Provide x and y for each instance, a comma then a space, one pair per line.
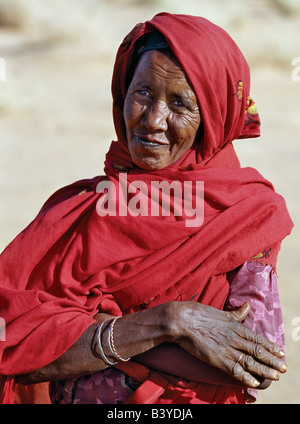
115, 305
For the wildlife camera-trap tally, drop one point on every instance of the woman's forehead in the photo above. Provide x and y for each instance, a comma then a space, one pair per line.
160, 58
159, 65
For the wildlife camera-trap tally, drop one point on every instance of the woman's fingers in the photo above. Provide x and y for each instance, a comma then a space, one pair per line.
256, 357
260, 356
236, 370
248, 371
246, 378
219, 338
239, 314
259, 347
261, 343
249, 364
263, 349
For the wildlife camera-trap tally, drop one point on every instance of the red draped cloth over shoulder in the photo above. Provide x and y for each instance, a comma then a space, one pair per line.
69, 263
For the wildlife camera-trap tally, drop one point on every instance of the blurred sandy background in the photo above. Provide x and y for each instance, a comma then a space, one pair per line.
55, 110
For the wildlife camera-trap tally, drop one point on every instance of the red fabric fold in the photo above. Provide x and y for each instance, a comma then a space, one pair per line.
69, 263
7, 393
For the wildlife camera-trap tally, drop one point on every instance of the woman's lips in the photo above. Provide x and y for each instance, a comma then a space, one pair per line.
149, 142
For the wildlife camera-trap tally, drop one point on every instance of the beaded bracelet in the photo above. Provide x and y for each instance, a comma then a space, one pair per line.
110, 342
107, 361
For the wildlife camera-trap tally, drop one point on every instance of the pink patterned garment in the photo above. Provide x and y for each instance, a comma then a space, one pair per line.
253, 282
257, 284
110, 386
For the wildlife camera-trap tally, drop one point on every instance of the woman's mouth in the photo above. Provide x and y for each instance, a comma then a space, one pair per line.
150, 143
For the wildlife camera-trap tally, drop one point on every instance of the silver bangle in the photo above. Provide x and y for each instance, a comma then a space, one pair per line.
98, 338
110, 342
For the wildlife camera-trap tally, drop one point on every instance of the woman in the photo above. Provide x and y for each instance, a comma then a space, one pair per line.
114, 305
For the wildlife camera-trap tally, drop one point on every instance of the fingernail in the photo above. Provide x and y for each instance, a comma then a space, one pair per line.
284, 368
276, 375
281, 353
255, 382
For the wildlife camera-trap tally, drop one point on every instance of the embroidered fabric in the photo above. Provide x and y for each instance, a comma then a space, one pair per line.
252, 282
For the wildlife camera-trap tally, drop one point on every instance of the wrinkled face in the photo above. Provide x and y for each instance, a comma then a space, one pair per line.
161, 112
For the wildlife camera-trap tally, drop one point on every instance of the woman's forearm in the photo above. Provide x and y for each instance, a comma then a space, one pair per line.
171, 359
133, 335
83, 358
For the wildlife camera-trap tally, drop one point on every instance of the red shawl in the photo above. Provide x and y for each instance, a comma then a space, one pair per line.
70, 262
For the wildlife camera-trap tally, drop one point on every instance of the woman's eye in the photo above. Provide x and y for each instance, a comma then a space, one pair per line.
179, 104
143, 92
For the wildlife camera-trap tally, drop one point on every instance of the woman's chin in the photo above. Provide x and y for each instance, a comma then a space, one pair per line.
149, 163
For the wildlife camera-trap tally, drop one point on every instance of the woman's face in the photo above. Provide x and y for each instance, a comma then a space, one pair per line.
161, 112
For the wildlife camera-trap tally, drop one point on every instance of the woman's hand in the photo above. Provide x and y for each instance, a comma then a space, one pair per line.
217, 338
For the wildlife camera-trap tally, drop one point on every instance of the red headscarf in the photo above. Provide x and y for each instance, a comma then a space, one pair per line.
70, 262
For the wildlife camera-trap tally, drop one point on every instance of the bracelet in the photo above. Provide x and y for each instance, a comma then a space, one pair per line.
100, 346
110, 342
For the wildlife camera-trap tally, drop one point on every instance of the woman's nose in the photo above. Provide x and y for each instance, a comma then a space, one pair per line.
156, 117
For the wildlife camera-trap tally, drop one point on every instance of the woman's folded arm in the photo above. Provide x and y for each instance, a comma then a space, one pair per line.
171, 359
134, 334
215, 337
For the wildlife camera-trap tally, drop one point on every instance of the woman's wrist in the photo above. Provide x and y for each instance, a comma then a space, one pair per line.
180, 315
173, 316
136, 333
